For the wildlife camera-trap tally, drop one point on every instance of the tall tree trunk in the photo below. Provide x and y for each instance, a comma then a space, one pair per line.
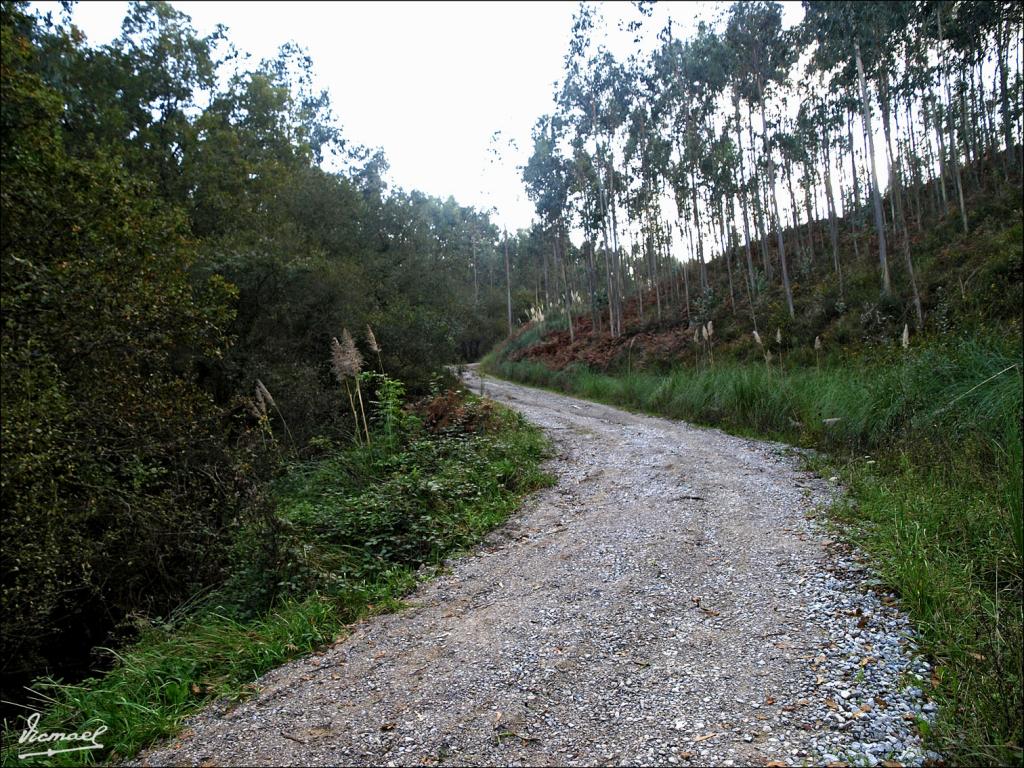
890, 155
697, 229
595, 315
916, 179
508, 285
833, 225
1004, 96
728, 260
686, 276
853, 161
560, 257
613, 327
609, 280
905, 247
810, 206
655, 278
875, 196
750, 296
896, 193
476, 284
746, 239
777, 222
794, 208
666, 243
935, 180
547, 291
741, 187
935, 115
954, 154
616, 255
759, 216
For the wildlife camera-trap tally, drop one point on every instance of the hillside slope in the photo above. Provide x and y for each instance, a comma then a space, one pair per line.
969, 282
925, 435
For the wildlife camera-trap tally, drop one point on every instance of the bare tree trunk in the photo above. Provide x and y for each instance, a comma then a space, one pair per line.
654, 275
595, 316
936, 119
476, 284
613, 327
609, 278
728, 261
1004, 98
616, 255
740, 185
775, 206
508, 285
914, 163
746, 242
875, 196
935, 182
954, 155
686, 276
794, 209
560, 257
759, 215
700, 239
833, 225
853, 161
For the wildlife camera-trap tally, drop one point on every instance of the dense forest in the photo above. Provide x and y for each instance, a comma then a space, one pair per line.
174, 252
764, 153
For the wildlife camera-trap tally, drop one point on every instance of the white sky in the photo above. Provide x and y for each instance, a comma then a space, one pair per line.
427, 82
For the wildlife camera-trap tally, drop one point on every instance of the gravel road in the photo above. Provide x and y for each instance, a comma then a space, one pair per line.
671, 600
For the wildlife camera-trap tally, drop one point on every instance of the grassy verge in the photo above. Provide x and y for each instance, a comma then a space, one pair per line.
348, 537
928, 441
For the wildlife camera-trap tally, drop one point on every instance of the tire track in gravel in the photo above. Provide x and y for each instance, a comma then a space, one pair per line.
666, 602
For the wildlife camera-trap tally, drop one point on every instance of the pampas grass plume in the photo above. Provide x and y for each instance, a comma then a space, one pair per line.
371, 340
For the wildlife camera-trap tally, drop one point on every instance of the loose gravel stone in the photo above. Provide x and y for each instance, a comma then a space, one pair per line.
670, 601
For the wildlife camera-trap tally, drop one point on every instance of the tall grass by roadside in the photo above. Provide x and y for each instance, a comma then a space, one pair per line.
928, 441
352, 532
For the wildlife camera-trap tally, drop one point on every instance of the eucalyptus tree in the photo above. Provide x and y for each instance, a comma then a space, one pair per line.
719, 172
825, 116
689, 76
548, 176
762, 57
650, 150
847, 31
593, 102
949, 112
585, 202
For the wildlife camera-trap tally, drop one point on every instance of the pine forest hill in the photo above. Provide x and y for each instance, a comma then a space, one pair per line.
230, 426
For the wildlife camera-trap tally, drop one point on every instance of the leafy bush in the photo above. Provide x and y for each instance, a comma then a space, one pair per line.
342, 537
118, 475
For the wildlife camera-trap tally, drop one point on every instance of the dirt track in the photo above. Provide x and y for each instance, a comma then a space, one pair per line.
667, 601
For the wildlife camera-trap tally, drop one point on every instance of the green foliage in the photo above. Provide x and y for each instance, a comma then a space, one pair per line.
169, 238
348, 538
116, 476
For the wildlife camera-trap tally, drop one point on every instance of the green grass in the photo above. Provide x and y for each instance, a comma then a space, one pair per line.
928, 442
352, 532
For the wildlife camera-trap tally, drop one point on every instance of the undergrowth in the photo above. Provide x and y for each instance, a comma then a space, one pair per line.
349, 535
